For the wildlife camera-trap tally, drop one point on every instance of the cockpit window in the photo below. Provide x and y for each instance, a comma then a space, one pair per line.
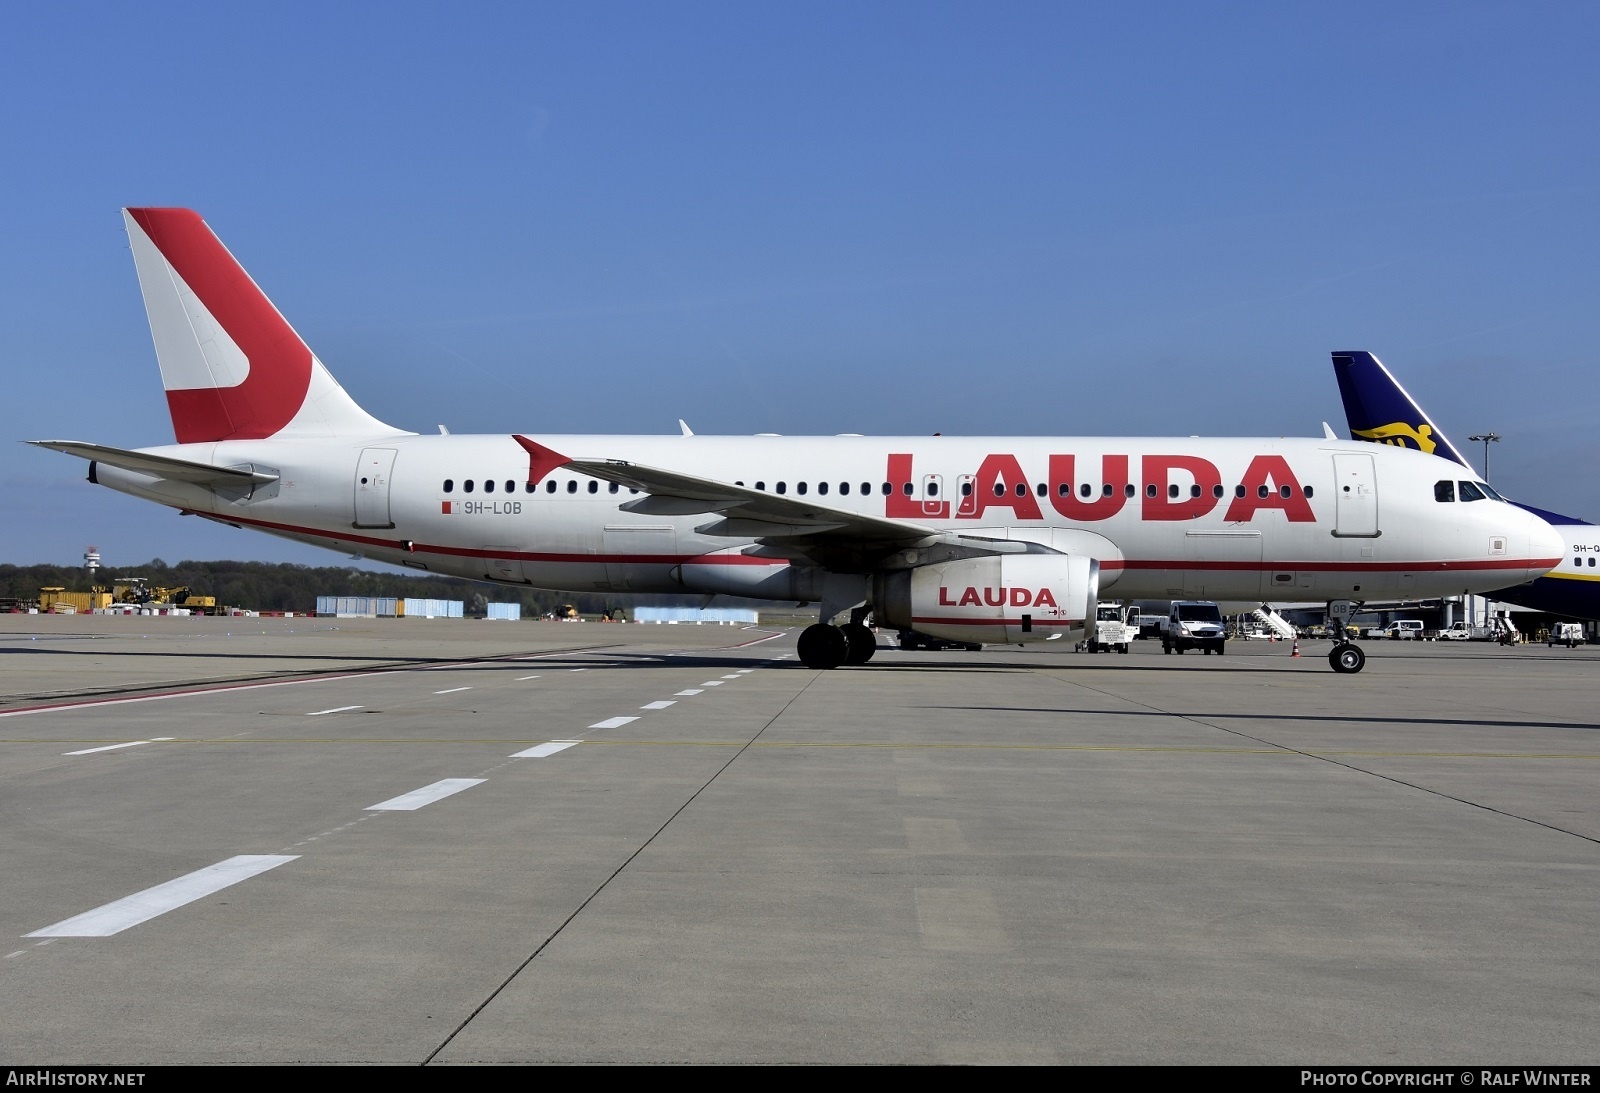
1488, 491
1471, 492
1444, 491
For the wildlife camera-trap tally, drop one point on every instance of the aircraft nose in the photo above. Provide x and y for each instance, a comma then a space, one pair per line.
1546, 546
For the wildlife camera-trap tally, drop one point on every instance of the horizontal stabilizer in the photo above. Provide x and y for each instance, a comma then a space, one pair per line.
160, 466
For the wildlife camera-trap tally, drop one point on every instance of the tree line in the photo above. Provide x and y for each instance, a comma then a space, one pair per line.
264, 586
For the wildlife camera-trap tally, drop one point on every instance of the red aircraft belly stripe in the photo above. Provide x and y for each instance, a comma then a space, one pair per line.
749, 560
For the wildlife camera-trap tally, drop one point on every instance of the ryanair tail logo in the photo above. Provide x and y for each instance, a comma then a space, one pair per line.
1401, 435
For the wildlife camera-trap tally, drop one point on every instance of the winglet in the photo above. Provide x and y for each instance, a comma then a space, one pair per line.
541, 460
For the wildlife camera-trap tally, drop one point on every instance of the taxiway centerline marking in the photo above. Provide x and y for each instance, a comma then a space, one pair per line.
712, 683
418, 798
336, 709
143, 906
690, 691
661, 705
613, 722
548, 748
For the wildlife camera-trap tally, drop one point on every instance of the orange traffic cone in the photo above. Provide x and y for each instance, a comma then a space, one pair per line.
1296, 651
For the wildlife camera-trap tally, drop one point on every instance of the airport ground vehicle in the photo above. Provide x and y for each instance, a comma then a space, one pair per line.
1194, 624
992, 540
1404, 630
1112, 628
1460, 631
1569, 634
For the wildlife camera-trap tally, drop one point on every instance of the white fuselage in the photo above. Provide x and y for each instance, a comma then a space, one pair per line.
1235, 519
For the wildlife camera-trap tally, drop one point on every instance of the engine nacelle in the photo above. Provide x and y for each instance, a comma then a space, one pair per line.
1004, 599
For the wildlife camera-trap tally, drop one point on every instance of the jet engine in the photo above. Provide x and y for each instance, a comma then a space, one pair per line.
1001, 599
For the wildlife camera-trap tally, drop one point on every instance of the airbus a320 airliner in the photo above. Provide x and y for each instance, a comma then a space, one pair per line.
970, 539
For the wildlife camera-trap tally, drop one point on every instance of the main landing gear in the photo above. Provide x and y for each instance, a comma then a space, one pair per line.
824, 646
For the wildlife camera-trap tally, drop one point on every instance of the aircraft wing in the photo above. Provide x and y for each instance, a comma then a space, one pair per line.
160, 466
740, 512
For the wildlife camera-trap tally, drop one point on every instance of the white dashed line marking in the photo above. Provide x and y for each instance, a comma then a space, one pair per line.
417, 798
690, 691
733, 676
712, 683
663, 704
111, 747
522, 678
612, 722
115, 917
452, 690
744, 671
336, 709
539, 751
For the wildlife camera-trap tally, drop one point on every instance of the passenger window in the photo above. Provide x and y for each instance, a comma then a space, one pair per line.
1022, 489
1444, 491
1105, 490
1129, 491
999, 489
1087, 490
1041, 489
906, 489
966, 489
1283, 491
761, 486
822, 487
866, 487
572, 486
844, 488
594, 487
1172, 490
1194, 491
1306, 491
1591, 563
1150, 490
1262, 491
933, 489
466, 487
449, 485
511, 487
615, 487
488, 485
1238, 491
783, 487
1217, 490
550, 485
800, 487
529, 488
1470, 492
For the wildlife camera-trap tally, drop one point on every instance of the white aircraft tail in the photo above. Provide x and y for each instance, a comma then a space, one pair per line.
232, 366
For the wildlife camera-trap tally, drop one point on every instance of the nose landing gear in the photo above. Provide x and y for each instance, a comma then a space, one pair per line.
1347, 658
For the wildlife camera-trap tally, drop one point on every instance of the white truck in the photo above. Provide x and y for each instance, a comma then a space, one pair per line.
1115, 627
1460, 631
1194, 624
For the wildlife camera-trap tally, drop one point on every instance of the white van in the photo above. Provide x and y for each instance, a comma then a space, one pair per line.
1404, 630
1569, 634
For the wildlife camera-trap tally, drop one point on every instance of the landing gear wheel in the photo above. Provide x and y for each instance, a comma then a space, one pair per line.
821, 646
1347, 659
862, 642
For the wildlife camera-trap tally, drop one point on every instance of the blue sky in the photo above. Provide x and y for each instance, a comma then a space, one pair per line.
1006, 218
